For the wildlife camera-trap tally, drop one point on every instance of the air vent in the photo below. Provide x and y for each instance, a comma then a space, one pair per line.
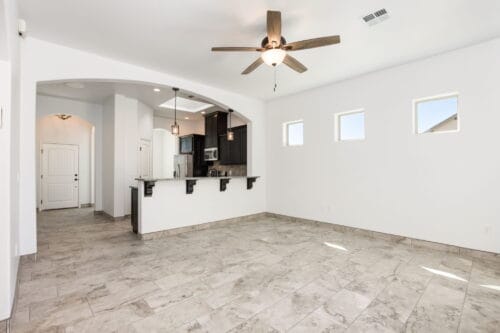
376, 17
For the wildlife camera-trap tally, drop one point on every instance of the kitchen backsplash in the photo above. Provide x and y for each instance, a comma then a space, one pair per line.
233, 170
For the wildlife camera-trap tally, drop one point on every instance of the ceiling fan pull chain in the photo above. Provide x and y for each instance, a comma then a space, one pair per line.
275, 81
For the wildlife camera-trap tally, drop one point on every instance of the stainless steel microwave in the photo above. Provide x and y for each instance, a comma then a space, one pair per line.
211, 154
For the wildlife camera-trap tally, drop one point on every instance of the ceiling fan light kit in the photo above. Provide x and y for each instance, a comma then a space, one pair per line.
273, 57
274, 47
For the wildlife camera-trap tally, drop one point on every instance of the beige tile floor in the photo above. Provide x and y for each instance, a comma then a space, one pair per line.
93, 275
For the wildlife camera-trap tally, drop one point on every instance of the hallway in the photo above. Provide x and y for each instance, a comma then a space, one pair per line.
93, 275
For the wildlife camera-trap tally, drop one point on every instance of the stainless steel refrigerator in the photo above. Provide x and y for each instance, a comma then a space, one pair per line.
183, 165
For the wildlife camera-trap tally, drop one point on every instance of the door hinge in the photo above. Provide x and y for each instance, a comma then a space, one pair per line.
41, 202
140, 148
41, 176
41, 150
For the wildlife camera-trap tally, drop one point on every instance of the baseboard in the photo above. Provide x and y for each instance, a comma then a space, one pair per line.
412, 242
111, 218
202, 226
87, 205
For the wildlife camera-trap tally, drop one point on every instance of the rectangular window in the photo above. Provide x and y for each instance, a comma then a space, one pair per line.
350, 125
436, 114
293, 133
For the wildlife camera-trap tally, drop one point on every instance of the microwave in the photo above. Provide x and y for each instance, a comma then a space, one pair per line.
211, 154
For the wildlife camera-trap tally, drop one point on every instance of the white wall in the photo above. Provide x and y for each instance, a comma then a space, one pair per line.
108, 153
145, 121
437, 187
165, 147
5, 237
76, 130
9, 150
126, 152
127, 121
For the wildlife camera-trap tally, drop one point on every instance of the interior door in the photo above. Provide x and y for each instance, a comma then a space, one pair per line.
145, 157
59, 177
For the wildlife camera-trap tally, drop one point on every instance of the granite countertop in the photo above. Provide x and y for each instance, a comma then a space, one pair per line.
190, 178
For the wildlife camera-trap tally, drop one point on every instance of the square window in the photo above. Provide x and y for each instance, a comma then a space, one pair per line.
351, 125
436, 114
294, 133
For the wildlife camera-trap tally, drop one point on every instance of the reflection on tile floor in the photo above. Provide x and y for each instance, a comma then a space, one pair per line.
93, 275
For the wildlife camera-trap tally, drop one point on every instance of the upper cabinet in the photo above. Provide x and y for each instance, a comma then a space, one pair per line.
215, 125
234, 152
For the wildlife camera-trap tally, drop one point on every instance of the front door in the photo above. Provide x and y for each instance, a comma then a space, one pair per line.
59, 176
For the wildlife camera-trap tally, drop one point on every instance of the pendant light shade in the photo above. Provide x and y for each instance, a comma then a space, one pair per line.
175, 127
230, 133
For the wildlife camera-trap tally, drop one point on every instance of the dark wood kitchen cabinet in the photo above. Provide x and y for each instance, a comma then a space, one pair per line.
234, 152
194, 144
215, 125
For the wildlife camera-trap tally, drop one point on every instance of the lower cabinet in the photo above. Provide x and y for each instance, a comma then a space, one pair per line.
134, 205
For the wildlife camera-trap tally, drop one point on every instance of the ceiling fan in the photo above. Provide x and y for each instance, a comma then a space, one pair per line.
274, 47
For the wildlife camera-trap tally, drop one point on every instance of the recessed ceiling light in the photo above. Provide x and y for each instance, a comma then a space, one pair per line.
203, 112
187, 118
185, 104
75, 85
156, 89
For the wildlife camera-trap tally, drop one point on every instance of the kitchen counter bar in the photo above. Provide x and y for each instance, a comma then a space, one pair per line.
171, 203
149, 183
190, 178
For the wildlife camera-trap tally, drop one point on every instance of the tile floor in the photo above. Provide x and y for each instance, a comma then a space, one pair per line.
93, 275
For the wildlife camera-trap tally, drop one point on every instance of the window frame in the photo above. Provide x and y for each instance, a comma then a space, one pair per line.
338, 129
416, 101
285, 133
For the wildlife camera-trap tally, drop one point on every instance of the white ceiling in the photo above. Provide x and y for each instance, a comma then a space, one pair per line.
97, 92
176, 36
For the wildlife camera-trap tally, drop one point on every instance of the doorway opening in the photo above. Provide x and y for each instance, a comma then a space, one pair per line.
66, 162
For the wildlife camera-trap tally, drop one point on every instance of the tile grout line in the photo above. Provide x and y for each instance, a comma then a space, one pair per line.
374, 298
420, 298
465, 296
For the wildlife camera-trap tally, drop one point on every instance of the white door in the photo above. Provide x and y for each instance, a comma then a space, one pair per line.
145, 158
59, 176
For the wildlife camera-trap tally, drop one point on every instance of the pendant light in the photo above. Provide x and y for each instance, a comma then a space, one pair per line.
175, 126
230, 133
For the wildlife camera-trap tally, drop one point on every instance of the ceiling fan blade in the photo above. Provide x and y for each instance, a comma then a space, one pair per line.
312, 43
274, 27
253, 66
294, 64
236, 48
